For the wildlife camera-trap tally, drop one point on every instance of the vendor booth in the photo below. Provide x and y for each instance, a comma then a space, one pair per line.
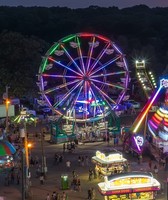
132, 186
111, 164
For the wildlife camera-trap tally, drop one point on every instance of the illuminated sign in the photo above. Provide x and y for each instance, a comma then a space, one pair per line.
146, 189
129, 191
139, 140
111, 157
164, 83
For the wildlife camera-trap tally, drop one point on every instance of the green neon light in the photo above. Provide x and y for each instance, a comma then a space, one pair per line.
69, 38
44, 64
53, 48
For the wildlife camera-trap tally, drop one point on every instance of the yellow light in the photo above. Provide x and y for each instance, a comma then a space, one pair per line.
29, 145
7, 101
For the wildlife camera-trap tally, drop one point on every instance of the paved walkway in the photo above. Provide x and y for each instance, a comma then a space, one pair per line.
53, 179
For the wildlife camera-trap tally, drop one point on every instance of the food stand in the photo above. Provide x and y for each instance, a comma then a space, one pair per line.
129, 186
111, 164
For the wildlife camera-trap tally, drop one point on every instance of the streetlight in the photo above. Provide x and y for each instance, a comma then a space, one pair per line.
7, 109
25, 165
29, 145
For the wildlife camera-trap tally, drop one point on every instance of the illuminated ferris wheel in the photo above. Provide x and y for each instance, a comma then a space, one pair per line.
83, 77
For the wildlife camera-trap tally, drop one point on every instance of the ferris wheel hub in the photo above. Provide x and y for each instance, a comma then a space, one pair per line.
86, 77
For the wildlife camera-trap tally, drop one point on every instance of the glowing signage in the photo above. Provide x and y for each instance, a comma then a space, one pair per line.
111, 157
139, 140
164, 83
146, 189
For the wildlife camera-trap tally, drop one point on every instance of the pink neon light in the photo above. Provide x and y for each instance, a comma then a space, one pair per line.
103, 38
86, 34
165, 123
155, 120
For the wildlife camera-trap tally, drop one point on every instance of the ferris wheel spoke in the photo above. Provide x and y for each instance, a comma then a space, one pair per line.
104, 97
77, 96
109, 84
67, 94
60, 86
49, 103
105, 65
108, 74
99, 57
86, 97
80, 55
62, 65
90, 54
60, 76
103, 93
95, 98
70, 57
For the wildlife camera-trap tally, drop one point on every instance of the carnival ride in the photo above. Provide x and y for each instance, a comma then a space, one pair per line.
134, 139
82, 77
145, 78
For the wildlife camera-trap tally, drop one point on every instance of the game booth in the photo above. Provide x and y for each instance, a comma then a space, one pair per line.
110, 164
132, 186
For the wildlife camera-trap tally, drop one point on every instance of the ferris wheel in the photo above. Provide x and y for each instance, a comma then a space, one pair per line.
83, 77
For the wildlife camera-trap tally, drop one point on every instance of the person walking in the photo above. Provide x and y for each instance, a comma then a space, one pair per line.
18, 178
42, 179
155, 170
64, 148
89, 194
68, 165
150, 164
78, 185
93, 193
48, 197
64, 196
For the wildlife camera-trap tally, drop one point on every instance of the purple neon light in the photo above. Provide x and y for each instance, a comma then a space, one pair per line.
137, 144
67, 94
98, 58
62, 65
60, 86
152, 124
77, 96
94, 97
109, 84
70, 57
60, 76
117, 48
90, 55
102, 93
105, 65
80, 55
108, 74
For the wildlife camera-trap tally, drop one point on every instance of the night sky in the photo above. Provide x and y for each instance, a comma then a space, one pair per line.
84, 3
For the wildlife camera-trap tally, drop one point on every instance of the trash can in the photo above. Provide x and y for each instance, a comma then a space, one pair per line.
64, 182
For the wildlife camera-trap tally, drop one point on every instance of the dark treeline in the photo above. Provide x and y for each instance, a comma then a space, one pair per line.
27, 33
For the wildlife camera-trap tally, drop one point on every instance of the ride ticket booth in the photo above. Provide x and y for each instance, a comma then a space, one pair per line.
111, 164
129, 186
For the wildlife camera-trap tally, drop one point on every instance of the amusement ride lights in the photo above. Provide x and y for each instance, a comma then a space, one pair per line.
158, 124
147, 80
82, 67
141, 116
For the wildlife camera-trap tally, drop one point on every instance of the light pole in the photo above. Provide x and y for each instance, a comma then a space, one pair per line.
44, 168
167, 187
29, 145
7, 106
25, 163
